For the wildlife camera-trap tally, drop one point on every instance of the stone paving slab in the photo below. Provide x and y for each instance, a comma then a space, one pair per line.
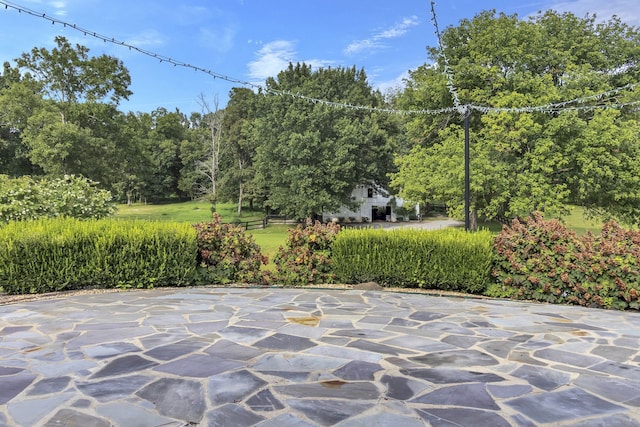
291, 357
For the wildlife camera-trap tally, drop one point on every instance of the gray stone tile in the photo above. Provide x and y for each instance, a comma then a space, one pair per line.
112, 389
567, 357
331, 389
110, 350
285, 420
72, 418
124, 365
467, 395
615, 353
232, 387
328, 412
230, 350
264, 401
462, 341
363, 333
175, 350
344, 353
456, 417
562, 406
243, 335
619, 369
454, 359
379, 348
508, 391
358, 371
6, 370
381, 420
13, 385
28, 412
198, 366
176, 398
544, 378
130, 415
451, 376
426, 316
402, 388
49, 385
284, 342
206, 328
232, 415
611, 388
608, 421
297, 363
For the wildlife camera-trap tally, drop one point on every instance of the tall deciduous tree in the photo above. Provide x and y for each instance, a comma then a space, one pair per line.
310, 156
526, 161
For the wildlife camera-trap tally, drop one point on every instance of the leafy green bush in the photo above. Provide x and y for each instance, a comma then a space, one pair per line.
542, 260
449, 259
72, 196
64, 253
226, 254
306, 257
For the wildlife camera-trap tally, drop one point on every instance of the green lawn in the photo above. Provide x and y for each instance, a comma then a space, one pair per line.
194, 211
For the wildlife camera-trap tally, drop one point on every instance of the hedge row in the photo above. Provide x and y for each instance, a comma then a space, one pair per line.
449, 259
61, 254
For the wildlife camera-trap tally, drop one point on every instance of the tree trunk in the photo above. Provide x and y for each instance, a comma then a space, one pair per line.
473, 220
240, 200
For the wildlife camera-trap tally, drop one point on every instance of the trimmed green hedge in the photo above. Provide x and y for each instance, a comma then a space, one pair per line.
449, 259
63, 253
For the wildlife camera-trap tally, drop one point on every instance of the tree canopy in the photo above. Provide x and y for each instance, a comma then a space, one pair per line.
310, 157
527, 161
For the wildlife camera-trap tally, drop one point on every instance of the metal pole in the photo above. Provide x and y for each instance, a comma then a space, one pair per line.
467, 187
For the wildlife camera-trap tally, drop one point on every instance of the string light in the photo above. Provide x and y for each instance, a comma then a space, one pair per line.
447, 69
458, 107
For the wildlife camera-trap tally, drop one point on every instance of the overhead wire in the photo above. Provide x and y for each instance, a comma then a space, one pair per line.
458, 106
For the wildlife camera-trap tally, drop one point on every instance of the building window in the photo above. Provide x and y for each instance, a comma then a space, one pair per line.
369, 192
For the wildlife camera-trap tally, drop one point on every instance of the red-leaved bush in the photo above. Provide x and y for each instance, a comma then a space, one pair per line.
542, 260
226, 254
306, 258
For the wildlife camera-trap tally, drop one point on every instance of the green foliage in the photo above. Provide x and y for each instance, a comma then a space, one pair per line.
450, 259
226, 254
526, 161
309, 157
541, 260
73, 196
63, 253
306, 257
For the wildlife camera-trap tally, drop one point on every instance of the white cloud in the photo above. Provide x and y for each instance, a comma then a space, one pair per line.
272, 58
627, 10
376, 41
147, 38
219, 40
275, 56
393, 85
60, 7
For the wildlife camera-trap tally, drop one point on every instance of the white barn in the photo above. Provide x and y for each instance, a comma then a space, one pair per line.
375, 204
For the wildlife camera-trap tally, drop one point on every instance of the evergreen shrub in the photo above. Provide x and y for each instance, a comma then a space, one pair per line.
450, 259
64, 253
542, 260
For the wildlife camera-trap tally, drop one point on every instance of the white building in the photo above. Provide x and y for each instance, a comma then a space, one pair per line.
375, 204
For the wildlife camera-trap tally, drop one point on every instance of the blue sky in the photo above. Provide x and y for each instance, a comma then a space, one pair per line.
250, 40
